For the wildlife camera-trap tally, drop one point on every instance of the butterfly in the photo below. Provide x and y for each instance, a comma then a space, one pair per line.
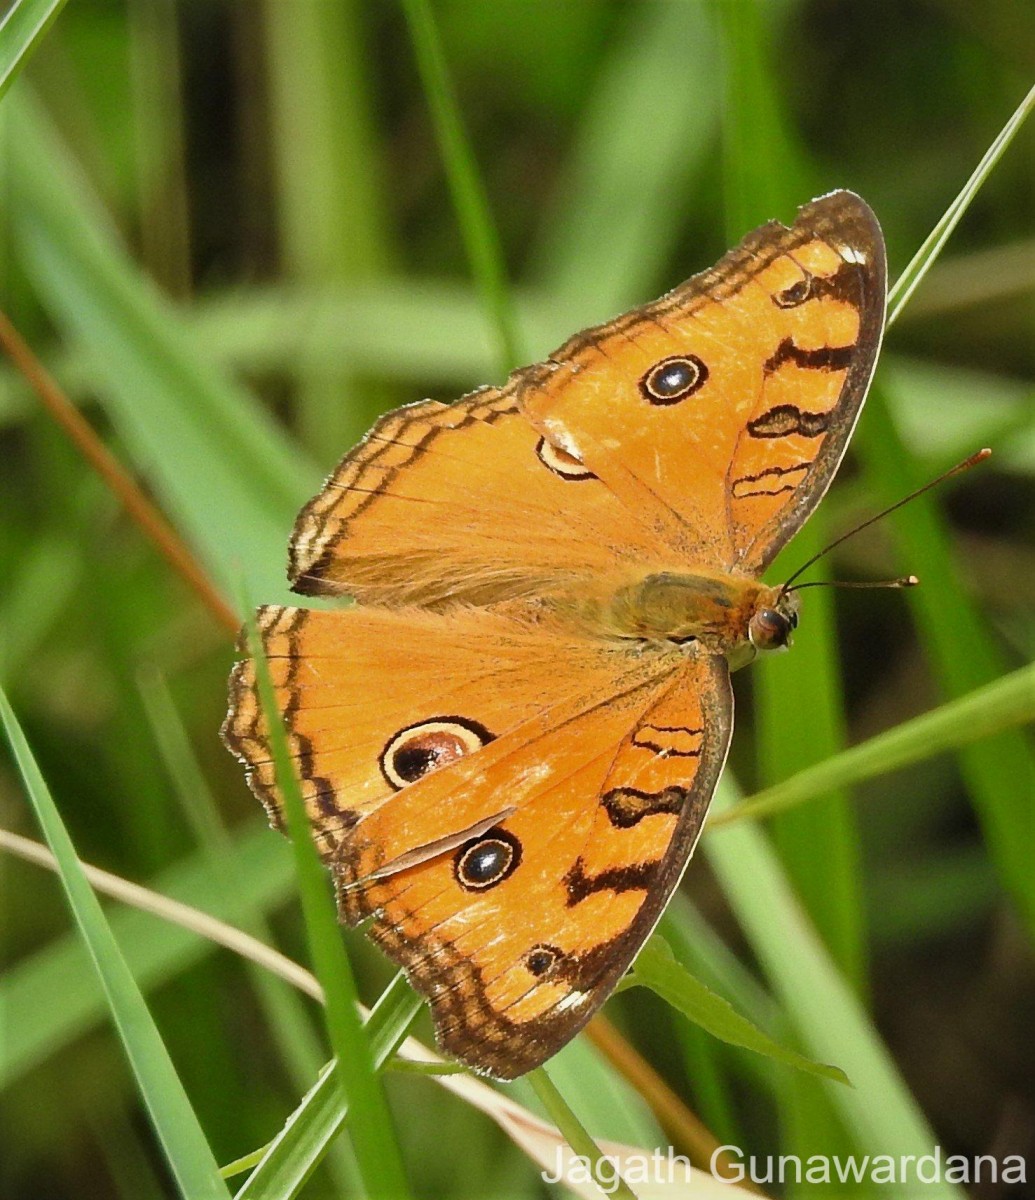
508, 745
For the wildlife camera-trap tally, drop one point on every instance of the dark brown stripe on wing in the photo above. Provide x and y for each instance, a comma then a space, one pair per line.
823, 358
785, 419
844, 284
634, 877
768, 483
627, 806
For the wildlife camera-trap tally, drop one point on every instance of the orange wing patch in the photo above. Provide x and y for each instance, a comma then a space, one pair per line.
414, 514
829, 295
376, 703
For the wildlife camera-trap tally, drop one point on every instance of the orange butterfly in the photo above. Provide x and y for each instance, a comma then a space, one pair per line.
508, 748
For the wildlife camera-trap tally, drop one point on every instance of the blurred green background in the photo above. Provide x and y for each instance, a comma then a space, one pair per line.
227, 230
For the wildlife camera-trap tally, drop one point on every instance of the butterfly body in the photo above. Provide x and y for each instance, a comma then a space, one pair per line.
718, 612
507, 747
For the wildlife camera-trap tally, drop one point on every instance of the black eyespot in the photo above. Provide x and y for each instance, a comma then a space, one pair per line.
673, 379
794, 295
540, 959
486, 861
419, 749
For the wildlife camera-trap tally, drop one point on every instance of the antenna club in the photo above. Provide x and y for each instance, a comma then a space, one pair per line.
973, 461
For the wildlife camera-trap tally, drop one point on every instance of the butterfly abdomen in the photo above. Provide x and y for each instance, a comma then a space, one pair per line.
677, 608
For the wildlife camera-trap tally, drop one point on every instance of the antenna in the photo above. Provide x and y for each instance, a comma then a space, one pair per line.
907, 581
904, 582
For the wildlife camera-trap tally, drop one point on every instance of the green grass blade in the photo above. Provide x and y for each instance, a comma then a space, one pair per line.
23, 27
332, 199
227, 477
962, 652
284, 1010
50, 998
657, 969
469, 199
878, 1110
984, 712
765, 176
638, 156
373, 1135
186, 1150
293, 1155
927, 255
577, 1136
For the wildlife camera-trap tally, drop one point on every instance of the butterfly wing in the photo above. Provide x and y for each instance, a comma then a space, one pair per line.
375, 700
460, 502
720, 412
708, 424
518, 935
513, 811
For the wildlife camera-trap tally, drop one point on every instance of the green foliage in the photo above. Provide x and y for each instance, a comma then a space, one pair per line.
657, 969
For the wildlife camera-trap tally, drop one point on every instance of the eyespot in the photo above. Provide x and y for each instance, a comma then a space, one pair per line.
542, 958
796, 294
419, 749
561, 462
673, 379
485, 861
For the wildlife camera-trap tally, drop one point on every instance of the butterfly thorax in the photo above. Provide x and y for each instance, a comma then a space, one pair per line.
725, 614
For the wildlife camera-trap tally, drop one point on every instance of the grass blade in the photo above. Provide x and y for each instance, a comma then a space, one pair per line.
962, 652
332, 199
927, 255
175, 1123
657, 969
283, 1009
644, 138
292, 1156
577, 1136
374, 1140
50, 998
469, 200
831, 1023
227, 477
23, 28
982, 713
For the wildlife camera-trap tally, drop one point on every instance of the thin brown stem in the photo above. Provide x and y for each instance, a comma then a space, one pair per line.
123, 486
688, 1132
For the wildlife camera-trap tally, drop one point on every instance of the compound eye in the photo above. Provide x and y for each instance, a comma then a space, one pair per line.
769, 629
673, 379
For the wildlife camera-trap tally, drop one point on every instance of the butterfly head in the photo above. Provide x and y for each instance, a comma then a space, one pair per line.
774, 619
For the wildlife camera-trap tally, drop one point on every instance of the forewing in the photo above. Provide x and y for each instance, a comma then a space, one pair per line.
383, 704
462, 502
719, 413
